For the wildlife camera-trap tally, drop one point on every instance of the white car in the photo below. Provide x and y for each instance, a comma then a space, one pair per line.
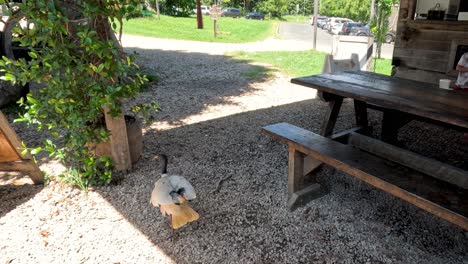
205, 10
336, 29
336, 20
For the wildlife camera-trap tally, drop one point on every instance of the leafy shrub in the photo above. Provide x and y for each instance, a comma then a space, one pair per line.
77, 57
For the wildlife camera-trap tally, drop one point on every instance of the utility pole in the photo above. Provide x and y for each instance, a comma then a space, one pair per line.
315, 23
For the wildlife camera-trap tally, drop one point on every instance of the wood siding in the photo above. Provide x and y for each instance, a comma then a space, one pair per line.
423, 47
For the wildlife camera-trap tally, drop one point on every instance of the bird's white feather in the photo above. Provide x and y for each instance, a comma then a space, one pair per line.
167, 184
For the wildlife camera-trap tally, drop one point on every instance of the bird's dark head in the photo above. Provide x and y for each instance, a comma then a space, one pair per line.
163, 159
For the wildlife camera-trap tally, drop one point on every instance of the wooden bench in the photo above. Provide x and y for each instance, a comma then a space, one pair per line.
430, 185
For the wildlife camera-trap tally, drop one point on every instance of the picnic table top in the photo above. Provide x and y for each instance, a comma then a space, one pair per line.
418, 98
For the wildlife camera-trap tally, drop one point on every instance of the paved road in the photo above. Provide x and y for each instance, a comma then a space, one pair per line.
305, 33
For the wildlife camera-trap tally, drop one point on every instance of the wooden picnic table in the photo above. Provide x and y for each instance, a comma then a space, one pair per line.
434, 186
400, 100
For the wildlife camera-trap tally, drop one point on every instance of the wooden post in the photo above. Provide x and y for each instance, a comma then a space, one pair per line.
10, 153
215, 21
118, 140
299, 165
199, 15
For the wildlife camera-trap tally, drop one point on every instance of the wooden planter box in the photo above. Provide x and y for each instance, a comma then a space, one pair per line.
135, 141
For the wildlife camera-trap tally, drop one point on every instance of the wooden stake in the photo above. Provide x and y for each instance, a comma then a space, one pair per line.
119, 140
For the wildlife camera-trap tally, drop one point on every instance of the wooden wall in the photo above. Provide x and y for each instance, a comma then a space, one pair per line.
423, 47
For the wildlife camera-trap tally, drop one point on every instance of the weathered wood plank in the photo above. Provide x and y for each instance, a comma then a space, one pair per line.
421, 99
423, 44
11, 136
421, 75
27, 167
10, 153
360, 109
416, 63
435, 196
119, 141
438, 25
295, 171
412, 160
7, 151
421, 54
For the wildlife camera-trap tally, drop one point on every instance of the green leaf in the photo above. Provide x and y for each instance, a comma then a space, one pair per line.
35, 151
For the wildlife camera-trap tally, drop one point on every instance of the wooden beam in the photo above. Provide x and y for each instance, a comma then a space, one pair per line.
13, 140
360, 110
295, 171
10, 156
412, 160
27, 167
120, 149
300, 167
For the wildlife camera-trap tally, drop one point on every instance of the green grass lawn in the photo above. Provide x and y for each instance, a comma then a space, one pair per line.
232, 30
295, 19
298, 63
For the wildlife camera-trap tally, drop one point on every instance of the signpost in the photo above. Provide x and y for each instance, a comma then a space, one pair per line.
215, 13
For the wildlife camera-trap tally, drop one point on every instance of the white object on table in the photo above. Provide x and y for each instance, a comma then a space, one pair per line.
444, 83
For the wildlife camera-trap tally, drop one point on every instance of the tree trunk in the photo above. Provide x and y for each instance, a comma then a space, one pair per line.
10, 92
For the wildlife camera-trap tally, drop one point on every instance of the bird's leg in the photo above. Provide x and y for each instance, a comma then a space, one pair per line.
172, 228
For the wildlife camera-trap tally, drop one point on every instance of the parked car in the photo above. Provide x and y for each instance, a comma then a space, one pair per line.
360, 31
336, 20
205, 10
364, 31
231, 12
348, 26
255, 15
337, 29
389, 37
319, 18
322, 23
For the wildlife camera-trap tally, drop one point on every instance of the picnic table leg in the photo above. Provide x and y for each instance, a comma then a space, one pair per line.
360, 109
392, 122
330, 118
299, 168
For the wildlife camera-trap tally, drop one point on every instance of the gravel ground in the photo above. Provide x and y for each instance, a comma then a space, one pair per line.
210, 129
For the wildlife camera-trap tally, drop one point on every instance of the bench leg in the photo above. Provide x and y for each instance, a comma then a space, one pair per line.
301, 167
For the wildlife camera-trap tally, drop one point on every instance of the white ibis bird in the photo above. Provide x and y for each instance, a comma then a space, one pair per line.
172, 194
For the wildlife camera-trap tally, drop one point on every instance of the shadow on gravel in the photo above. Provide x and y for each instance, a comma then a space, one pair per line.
201, 81
12, 196
240, 178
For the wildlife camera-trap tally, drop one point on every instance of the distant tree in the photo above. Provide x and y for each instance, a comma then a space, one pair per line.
179, 7
276, 8
353, 9
309, 7
380, 23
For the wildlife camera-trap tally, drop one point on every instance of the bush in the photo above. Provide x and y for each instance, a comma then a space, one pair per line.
84, 69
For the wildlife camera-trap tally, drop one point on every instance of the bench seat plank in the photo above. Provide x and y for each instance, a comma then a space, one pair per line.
440, 198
